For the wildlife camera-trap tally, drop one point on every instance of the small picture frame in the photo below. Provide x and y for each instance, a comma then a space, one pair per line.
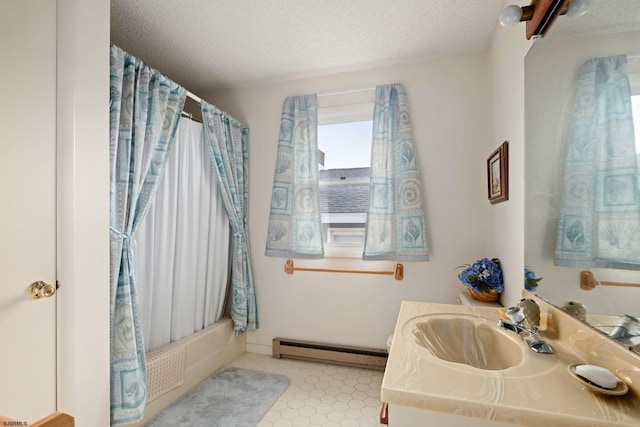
498, 174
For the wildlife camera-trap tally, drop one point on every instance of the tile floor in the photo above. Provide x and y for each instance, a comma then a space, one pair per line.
319, 394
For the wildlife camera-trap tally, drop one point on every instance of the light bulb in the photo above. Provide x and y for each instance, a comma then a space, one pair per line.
510, 15
578, 7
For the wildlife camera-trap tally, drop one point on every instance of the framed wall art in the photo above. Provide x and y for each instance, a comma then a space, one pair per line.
498, 174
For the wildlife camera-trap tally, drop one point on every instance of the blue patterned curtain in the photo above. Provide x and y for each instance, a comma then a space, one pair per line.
144, 113
295, 229
395, 227
600, 208
228, 140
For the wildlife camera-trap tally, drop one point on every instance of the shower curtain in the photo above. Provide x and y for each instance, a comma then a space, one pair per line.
186, 224
145, 108
228, 141
144, 113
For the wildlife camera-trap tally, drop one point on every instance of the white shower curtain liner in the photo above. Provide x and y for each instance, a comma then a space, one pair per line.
183, 246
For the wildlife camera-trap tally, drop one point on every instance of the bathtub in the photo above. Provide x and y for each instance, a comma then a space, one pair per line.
205, 352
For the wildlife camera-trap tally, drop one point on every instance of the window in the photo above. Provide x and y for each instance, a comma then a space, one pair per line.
344, 144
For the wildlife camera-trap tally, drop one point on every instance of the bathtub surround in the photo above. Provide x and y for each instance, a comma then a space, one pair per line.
165, 369
232, 396
206, 351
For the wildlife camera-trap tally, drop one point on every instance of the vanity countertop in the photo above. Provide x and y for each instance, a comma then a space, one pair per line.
538, 391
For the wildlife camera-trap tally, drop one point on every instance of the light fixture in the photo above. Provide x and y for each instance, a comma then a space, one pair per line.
541, 14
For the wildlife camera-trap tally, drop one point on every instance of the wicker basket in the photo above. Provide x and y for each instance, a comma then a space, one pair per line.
490, 296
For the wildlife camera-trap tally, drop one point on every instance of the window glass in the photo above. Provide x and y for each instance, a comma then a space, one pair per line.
344, 160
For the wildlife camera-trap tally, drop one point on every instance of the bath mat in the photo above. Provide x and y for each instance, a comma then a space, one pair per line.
231, 397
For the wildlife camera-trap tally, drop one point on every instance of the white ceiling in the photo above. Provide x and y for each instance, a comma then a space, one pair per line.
209, 44
212, 44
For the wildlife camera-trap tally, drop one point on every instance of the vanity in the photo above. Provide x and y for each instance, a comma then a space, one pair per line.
451, 365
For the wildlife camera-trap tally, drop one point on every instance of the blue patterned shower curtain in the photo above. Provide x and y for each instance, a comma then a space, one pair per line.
144, 113
228, 141
395, 227
600, 208
295, 228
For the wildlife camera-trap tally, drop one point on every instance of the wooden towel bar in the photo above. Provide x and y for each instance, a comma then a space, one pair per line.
588, 282
398, 271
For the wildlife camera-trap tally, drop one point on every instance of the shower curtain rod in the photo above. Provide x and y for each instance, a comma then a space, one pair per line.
191, 117
194, 97
199, 100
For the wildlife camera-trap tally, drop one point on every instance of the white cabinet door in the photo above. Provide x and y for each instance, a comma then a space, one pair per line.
27, 207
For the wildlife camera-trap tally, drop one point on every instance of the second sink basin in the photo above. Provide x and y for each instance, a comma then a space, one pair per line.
469, 340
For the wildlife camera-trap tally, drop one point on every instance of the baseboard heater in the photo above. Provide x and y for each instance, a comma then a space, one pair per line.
328, 353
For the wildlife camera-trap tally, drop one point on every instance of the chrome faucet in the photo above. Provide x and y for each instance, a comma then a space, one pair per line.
528, 334
627, 331
515, 327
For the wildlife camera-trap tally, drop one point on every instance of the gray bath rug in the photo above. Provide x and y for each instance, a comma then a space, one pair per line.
231, 397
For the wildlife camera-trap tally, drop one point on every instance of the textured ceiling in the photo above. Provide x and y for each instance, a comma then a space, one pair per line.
212, 44
209, 44
603, 17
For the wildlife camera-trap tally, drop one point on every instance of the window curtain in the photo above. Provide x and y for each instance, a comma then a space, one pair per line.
144, 112
295, 228
228, 141
599, 223
395, 228
183, 245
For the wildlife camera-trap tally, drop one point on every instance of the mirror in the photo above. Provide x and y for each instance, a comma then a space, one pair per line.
610, 27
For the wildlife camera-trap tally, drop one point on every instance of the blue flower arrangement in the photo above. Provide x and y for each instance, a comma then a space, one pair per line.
483, 276
530, 280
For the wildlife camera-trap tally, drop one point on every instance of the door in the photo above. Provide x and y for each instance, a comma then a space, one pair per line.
27, 207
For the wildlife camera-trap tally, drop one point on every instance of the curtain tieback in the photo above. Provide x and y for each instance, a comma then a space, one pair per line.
240, 234
132, 242
124, 236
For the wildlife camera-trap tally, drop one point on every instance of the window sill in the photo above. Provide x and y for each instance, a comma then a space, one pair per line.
336, 250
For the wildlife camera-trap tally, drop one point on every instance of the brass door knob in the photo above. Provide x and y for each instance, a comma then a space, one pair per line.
41, 289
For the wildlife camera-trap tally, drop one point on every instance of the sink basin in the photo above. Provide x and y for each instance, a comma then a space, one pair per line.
469, 340
452, 360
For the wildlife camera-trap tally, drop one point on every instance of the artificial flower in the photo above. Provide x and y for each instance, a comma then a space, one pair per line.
483, 276
530, 280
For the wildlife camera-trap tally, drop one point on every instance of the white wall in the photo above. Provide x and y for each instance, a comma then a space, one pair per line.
505, 236
548, 92
448, 99
83, 210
